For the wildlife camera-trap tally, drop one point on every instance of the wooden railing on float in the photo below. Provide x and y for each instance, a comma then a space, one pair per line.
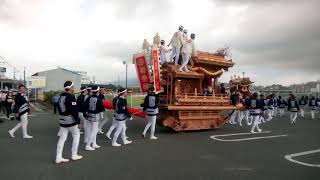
196, 97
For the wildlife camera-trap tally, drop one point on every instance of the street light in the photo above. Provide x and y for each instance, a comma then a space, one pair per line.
125, 63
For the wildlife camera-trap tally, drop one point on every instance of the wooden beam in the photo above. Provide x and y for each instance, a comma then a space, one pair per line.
203, 108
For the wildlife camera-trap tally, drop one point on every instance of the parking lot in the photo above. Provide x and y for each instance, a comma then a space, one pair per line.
281, 151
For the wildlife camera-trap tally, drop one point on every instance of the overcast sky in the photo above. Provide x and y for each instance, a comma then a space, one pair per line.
274, 41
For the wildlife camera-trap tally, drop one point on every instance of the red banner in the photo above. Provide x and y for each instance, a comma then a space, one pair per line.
142, 72
133, 111
156, 70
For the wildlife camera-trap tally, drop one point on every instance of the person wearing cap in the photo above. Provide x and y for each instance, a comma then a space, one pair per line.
163, 50
151, 107
187, 50
281, 105
312, 106
176, 43
21, 109
121, 114
254, 105
102, 120
93, 106
80, 105
69, 122
293, 107
302, 104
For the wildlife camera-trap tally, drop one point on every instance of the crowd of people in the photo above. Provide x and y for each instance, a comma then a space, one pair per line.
258, 109
87, 112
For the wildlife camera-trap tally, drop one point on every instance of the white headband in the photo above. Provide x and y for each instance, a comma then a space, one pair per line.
123, 91
68, 87
96, 89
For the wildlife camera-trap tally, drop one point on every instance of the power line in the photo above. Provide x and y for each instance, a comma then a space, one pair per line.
15, 70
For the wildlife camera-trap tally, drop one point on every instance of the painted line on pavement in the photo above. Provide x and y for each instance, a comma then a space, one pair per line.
290, 157
215, 137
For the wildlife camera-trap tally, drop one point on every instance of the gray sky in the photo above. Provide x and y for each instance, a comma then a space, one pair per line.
274, 41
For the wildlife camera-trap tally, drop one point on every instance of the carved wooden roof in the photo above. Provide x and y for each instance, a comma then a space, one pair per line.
241, 81
177, 73
212, 59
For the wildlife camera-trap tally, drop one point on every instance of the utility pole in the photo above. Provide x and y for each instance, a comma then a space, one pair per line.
125, 63
24, 75
118, 82
14, 73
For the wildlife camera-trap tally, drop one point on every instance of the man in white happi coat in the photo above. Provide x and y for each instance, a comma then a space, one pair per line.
176, 43
163, 51
187, 50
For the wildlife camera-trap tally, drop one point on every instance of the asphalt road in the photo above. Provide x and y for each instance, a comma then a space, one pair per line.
188, 155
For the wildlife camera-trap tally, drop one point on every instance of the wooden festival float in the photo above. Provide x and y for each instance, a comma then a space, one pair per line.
241, 85
184, 105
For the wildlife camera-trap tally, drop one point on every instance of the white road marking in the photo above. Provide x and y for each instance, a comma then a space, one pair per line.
290, 157
239, 134
215, 137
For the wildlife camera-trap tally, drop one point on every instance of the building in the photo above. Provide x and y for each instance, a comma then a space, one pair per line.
7, 84
85, 78
316, 89
56, 77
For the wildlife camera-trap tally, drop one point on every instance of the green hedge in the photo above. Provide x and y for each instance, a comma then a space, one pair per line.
49, 94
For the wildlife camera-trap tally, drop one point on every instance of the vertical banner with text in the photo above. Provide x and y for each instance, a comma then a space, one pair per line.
142, 72
156, 70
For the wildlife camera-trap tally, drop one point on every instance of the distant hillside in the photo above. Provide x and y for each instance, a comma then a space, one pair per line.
131, 82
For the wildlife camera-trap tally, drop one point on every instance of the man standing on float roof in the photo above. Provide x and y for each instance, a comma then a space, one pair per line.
69, 122
187, 50
21, 109
176, 43
121, 115
151, 107
163, 50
